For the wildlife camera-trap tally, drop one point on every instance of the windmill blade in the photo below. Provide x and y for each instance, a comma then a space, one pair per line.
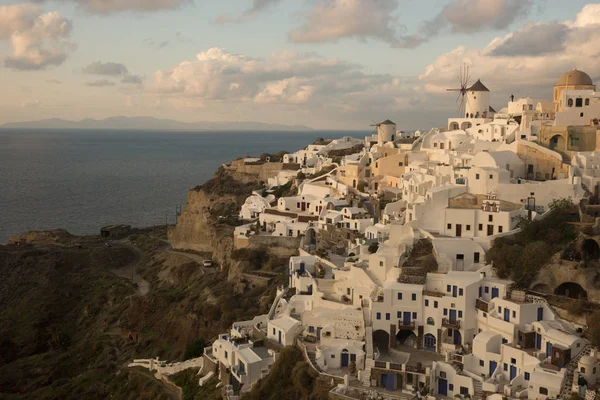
458, 97
453, 90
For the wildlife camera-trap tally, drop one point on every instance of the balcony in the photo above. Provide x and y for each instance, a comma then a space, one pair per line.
403, 325
481, 305
446, 323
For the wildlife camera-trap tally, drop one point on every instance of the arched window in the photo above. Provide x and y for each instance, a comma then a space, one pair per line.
583, 370
430, 321
570, 103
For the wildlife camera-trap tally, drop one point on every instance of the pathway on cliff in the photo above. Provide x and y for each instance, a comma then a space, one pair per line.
129, 271
194, 257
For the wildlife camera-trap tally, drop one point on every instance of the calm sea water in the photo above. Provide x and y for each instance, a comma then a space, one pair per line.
83, 180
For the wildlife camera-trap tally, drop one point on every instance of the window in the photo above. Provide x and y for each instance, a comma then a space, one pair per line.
504, 341
487, 289
414, 315
378, 315
574, 141
426, 303
449, 226
476, 176
399, 314
500, 229
445, 311
459, 313
381, 263
448, 288
387, 316
513, 361
570, 103
414, 296
587, 102
583, 370
499, 309
543, 390
578, 102
468, 227
333, 356
505, 366
480, 227
527, 376
581, 114
226, 354
460, 292
430, 321
514, 314
348, 291
476, 260
399, 295
273, 331
481, 363
490, 218
451, 387
491, 176
464, 390
435, 304
311, 329
400, 164
443, 376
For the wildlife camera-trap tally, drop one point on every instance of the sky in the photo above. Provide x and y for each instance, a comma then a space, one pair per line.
327, 64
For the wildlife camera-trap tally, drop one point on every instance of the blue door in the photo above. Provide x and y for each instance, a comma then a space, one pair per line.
452, 315
429, 342
493, 365
443, 387
302, 268
344, 358
513, 372
406, 320
548, 349
279, 337
389, 382
540, 315
495, 293
457, 337
453, 291
507, 315
538, 341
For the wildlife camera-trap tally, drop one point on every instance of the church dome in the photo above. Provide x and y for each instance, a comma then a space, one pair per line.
575, 78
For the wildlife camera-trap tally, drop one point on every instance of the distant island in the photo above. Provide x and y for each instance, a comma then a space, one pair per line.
149, 123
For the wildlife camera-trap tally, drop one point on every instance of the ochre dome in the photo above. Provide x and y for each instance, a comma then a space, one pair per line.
575, 78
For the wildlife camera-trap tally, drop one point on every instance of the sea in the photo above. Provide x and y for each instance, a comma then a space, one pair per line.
83, 180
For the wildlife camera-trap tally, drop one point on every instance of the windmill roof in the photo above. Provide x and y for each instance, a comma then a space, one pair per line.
478, 87
387, 122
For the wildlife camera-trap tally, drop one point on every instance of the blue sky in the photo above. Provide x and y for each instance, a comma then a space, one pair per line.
323, 63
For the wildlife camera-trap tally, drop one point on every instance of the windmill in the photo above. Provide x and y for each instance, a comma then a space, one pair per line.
463, 81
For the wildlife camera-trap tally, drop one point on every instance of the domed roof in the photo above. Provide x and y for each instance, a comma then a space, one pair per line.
575, 78
587, 360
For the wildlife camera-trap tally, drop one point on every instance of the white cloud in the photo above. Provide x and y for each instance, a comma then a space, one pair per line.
330, 20
37, 39
506, 65
469, 16
284, 83
132, 80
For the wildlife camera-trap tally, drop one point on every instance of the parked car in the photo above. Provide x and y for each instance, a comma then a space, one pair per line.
207, 263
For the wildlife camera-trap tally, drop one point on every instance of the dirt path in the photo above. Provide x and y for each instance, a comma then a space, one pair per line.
128, 271
166, 389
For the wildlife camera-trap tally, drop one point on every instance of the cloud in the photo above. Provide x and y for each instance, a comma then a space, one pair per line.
331, 20
532, 40
285, 83
525, 66
468, 17
257, 7
105, 69
37, 40
132, 80
100, 83
114, 6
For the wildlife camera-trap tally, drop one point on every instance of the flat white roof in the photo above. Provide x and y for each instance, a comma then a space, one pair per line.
285, 323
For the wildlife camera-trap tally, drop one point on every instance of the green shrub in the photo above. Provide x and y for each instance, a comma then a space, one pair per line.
194, 349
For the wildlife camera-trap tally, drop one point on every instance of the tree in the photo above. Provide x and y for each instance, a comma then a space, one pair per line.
194, 349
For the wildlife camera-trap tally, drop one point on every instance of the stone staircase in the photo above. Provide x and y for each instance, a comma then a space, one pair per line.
369, 361
312, 357
478, 390
567, 385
